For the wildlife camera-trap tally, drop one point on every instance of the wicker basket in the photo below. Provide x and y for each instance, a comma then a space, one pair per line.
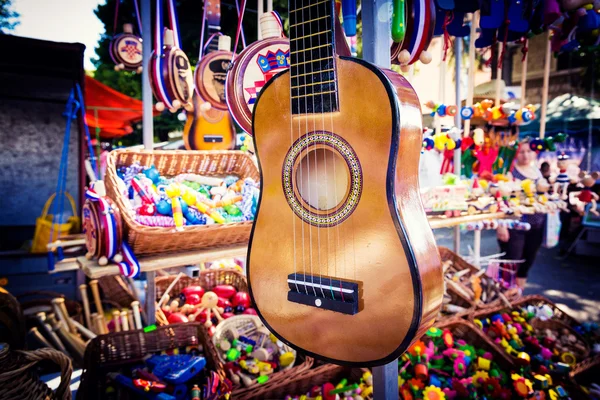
537, 323
150, 240
460, 264
560, 319
18, 379
115, 289
584, 374
208, 279
301, 382
107, 353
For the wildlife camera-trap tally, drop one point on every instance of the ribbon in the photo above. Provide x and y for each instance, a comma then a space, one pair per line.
129, 266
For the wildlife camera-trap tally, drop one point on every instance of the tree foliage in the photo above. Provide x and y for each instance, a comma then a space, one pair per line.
8, 17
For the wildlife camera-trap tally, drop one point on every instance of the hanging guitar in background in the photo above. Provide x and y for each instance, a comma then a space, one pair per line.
210, 126
411, 43
341, 246
254, 67
171, 73
125, 49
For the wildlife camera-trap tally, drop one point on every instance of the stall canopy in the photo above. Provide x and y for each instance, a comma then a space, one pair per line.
109, 111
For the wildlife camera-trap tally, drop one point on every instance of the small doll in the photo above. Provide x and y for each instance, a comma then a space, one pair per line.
562, 179
586, 196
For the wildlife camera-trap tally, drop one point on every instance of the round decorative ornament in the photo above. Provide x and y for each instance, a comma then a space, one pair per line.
254, 67
126, 50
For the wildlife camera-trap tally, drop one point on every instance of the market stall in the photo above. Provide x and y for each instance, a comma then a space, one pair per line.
303, 265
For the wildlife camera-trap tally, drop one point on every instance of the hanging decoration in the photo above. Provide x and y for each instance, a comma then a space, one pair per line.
171, 73
254, 67
486, 110
420, 24
126, 48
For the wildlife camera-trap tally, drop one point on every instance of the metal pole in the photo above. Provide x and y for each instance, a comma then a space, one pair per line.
147, 128
385, 381
376, 49
545, 87
457, 99
260, 9
376, 33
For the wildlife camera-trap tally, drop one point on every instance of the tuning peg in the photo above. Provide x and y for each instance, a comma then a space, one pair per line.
404, 57
139, 69
160, 106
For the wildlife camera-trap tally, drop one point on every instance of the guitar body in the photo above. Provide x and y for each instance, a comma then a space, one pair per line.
379, 243
208, 130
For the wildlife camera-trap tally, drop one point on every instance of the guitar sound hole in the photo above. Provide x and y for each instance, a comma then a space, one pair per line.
322, 179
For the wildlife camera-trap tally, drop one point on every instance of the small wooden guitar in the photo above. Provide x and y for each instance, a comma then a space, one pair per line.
342, 262
210, 126
170, 70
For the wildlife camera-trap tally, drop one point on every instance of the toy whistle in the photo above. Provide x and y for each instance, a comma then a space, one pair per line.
177, 213
146, 199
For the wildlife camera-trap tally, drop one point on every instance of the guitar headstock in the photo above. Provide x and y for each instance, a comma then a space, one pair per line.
213, 12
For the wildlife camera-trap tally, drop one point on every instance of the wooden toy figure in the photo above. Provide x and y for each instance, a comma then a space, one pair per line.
562, 179
586, 196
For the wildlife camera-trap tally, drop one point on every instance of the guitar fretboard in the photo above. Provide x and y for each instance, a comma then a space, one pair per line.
312, 62
214, 43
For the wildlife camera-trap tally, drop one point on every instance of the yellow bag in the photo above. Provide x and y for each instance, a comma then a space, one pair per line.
44, 226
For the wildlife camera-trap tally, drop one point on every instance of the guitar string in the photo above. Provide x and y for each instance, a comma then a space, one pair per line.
324, 157
317, 172
310, 227
332, 100
300, 158
291, 145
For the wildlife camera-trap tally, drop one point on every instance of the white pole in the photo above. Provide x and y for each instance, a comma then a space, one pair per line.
260, 9
545, 87
147, 128
471, 84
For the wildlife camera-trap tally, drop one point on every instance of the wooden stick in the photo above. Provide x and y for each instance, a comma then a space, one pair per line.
84, 331
47, 329
545, 87
94, 326
116, 316
524, 79
130, 320
124, 321
60, 309
40, 338
100, 325
471, 80
135, 307
86, 305
98, 302
165, 296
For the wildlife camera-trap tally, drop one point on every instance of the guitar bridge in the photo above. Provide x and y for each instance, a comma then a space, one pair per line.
322, 292
213, 139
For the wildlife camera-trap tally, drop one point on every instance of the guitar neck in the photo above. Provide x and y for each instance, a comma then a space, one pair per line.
213, 45
312, 61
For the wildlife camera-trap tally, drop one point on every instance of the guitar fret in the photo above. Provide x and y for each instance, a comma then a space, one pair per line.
312, 84
312, 73
313, 94
310, 5
305, 36
310, 49
310, 61
309, 21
